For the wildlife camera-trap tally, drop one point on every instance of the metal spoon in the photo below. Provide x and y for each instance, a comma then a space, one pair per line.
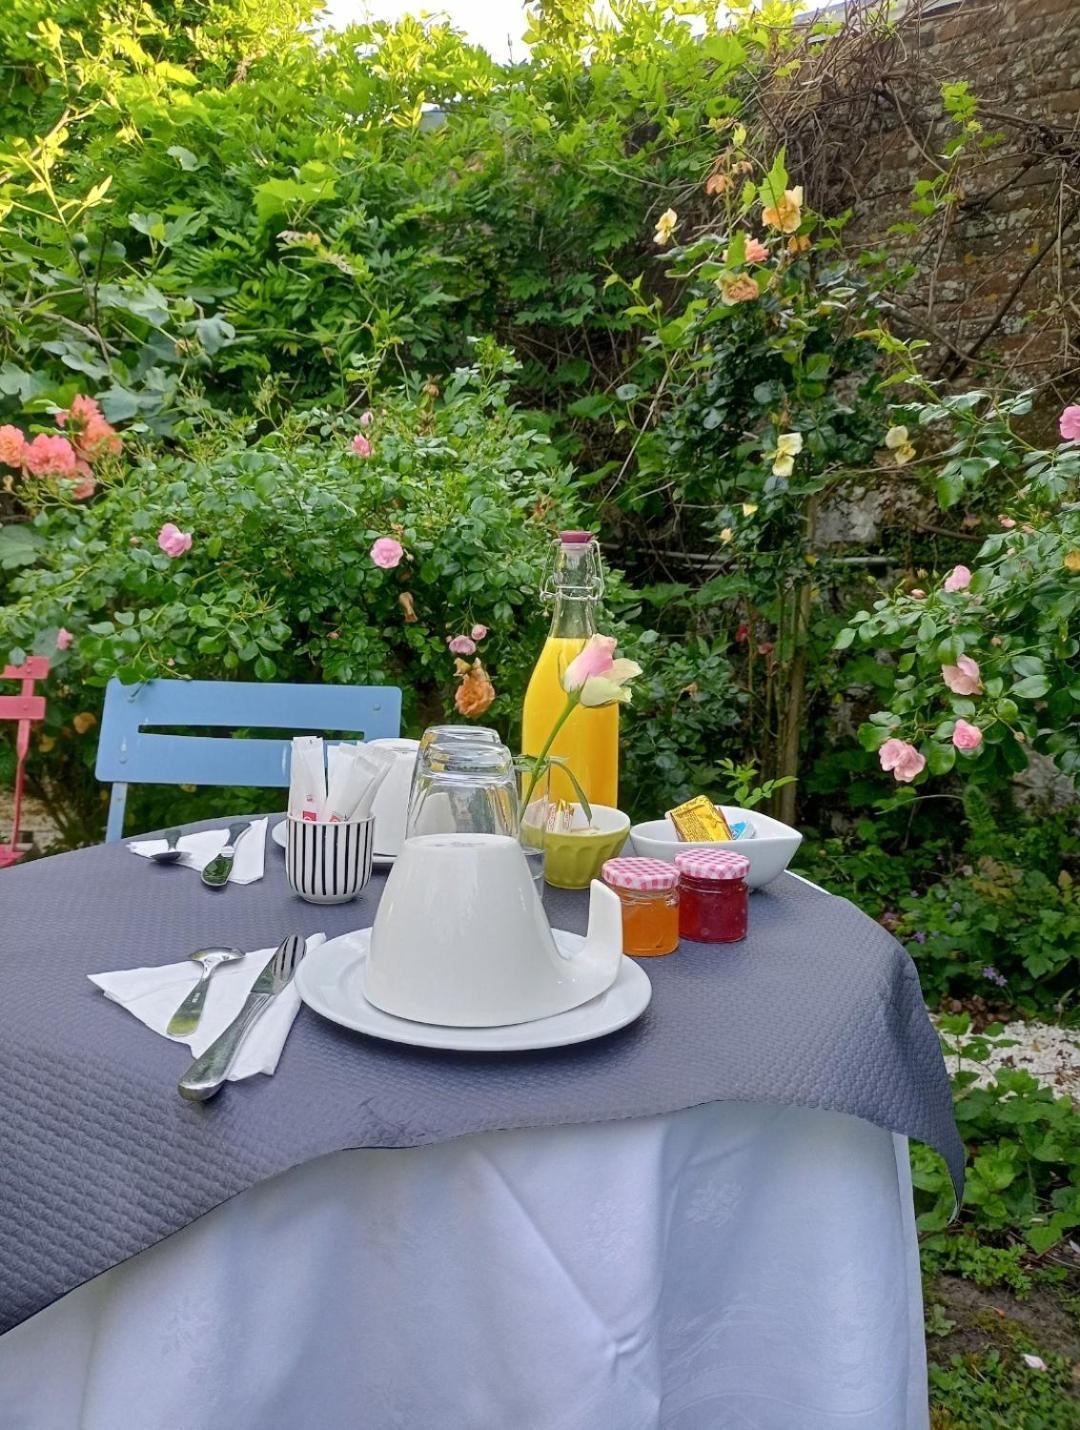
170, 854
186, 1018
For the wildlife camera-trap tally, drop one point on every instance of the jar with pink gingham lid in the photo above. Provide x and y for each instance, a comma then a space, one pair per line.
714, 899
648, 890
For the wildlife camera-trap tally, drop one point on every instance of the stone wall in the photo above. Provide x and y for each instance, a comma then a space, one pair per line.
998, 282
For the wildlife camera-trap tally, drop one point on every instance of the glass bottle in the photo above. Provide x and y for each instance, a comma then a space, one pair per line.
589, 741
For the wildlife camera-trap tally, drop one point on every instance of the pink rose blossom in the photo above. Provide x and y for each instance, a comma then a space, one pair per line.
918, 595
49, 456
84, 488
387, 553
173, 541
963, 677
965, 736
12, 446
958, 579
478, 632
903, 759
63, 639
1007, 522
92, 435
1069, 424
597, 657
361, 446
461, 645
753, 252
366, 419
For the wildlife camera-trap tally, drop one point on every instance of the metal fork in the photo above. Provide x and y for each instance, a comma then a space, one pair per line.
206, 1074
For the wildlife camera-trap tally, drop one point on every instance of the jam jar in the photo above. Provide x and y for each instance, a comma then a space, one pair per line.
649, 892
713, 895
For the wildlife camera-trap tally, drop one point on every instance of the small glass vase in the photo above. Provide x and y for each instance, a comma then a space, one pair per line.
534, 783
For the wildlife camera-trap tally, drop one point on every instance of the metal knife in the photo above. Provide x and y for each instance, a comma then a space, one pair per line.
206, 1074
216, 874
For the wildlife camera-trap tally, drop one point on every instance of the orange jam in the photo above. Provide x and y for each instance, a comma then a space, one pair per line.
648, 890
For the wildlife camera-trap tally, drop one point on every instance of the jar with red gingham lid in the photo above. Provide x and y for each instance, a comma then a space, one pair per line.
648, 890
714, 898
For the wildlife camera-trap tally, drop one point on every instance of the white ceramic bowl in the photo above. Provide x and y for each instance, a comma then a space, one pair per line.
770, 851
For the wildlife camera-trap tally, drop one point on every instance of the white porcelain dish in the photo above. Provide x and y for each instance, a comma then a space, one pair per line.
770, 851
330, 980
460, 938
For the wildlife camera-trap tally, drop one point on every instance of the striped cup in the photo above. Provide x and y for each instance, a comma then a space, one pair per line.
329, 863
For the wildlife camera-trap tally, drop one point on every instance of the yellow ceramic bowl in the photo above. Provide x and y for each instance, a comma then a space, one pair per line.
573, 858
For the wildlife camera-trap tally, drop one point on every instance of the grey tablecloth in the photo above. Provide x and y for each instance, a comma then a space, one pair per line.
100, 1158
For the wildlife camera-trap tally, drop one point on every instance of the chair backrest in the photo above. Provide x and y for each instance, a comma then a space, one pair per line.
129, 754
23, 708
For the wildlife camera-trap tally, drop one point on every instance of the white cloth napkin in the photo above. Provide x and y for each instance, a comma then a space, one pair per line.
200, 848
154, 994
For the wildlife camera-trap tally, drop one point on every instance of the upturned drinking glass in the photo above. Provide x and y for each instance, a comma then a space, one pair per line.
464, 787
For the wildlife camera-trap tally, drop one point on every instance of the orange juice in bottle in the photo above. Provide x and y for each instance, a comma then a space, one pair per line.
589, 741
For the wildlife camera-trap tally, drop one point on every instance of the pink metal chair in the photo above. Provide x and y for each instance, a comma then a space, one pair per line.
26, 707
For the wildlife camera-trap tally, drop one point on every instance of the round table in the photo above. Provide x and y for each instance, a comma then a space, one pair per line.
727, 1265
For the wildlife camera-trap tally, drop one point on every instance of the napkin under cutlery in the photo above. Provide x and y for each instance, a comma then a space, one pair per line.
199, 849
153, 995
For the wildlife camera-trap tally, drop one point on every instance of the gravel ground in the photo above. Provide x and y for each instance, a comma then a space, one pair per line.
1049, 1053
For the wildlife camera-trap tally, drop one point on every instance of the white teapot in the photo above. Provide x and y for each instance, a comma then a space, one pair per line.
461, 938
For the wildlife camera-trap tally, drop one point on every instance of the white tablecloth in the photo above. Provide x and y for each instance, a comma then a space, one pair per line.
728, 1266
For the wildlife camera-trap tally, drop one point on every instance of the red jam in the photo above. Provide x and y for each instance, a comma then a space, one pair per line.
712, 910
713, 896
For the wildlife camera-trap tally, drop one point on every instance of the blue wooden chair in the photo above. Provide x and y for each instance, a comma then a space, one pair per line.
128, 754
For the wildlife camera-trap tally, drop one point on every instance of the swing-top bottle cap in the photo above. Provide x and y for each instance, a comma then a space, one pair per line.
575, 538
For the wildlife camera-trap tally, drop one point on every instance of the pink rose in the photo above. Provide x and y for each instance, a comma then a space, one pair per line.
1007, 522
63, 639
756, 252
462, 645
965, 736
366, 419
903, 759
597, 657
84, 488
1069, 424
12, 446
917, 595
478, 632
361, 446
387, 553
958, 579
173, 541
49, 456
963, 677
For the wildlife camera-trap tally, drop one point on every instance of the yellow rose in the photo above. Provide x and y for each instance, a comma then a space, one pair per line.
787, 213
665, 227
788, 447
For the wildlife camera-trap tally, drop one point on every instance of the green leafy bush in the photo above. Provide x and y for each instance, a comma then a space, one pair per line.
279, 582
1024, 1172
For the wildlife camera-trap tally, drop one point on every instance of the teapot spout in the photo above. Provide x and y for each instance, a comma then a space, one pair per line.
603, 946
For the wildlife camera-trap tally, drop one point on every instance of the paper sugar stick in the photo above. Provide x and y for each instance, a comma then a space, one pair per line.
307, 779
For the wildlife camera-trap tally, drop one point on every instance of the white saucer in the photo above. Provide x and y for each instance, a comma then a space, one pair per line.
381, 861
331, 980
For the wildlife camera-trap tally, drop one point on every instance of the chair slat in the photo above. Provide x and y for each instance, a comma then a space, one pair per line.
129, 753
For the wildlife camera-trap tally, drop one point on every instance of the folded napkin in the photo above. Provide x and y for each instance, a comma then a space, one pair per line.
200, 848
154, 994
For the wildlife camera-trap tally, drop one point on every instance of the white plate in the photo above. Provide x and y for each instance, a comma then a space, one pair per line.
381, 861
331, 980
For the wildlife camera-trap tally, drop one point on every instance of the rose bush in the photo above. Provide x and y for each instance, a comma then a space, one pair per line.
987, 659
293, 559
